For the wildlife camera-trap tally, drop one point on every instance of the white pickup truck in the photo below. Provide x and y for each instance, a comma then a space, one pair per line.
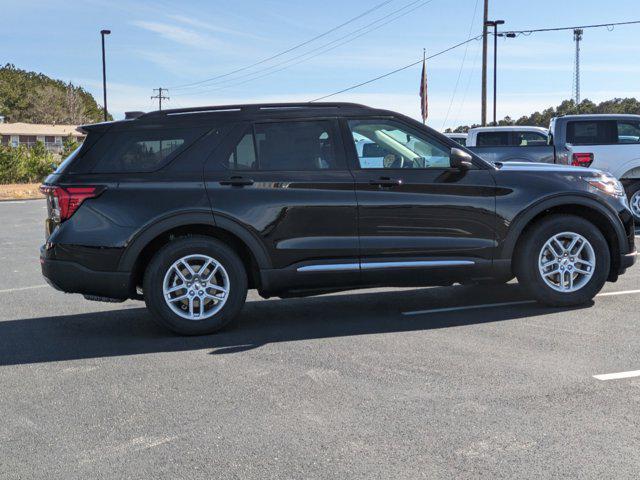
608, 142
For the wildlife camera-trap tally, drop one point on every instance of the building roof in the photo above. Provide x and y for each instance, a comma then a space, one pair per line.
38, 129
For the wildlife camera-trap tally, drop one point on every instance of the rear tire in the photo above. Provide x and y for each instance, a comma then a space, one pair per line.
195, 285
633, 194
555, 274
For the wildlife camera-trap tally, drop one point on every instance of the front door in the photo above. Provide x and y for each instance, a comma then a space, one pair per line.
414, 211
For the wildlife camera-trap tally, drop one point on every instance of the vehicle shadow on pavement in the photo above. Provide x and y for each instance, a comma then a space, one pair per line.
131, 331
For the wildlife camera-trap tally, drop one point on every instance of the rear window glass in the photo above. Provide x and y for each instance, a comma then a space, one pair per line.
293, 146
141, 150
492, 139
600, 132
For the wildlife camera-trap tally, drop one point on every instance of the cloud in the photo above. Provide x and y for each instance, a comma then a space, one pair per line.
181, 35
208, 26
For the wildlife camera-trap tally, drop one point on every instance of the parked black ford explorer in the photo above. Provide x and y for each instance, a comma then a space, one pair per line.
189, 208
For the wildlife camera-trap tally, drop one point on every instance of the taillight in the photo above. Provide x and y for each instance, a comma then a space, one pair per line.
66, 200
581, 159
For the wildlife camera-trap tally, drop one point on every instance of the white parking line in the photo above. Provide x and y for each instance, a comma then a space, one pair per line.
623, 292
468, 307
617, 376
504, 304
9, 290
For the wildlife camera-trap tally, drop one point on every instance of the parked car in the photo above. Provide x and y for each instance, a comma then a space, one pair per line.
460, 138
189, 208
511, 143
606, 142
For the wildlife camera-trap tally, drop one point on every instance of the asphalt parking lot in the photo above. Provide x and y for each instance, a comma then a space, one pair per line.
455, 382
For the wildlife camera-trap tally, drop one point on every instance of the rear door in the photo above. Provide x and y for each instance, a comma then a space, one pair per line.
414, 210
287, 183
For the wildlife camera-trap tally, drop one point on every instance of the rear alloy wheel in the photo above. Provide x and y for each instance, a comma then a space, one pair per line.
195, 285
563, 260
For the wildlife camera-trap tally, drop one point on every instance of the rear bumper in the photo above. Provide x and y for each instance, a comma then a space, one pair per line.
71, 277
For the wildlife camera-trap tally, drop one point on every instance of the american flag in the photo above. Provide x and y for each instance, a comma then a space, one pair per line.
424, 101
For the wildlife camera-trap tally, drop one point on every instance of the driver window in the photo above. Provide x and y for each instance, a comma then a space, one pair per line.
388, 144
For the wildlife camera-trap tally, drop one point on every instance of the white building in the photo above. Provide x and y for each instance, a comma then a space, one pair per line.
52, 136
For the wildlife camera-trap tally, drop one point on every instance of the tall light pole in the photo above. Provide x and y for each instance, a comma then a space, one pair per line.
483, 108
494, 24
104, 73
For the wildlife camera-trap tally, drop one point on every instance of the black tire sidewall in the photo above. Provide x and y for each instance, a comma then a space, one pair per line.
630, 190
528, 257
176, 249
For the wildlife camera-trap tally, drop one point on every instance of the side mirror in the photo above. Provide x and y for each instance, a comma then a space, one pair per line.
460, 159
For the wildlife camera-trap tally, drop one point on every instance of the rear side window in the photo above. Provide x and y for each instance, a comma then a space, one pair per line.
529, 139
492, 139
292, 146
628, 132
594, 132
141, 150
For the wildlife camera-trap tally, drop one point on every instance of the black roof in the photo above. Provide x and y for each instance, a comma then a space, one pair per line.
194, 115
259, 108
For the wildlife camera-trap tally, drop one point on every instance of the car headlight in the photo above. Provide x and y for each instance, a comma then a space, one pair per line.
607, 184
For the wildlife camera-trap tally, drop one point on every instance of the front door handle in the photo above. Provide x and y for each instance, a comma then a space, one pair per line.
386, 182
237, 182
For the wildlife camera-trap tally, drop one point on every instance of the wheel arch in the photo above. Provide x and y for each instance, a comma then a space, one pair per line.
584, 207
141, 248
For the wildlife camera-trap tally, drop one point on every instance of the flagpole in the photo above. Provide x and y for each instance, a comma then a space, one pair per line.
424, 66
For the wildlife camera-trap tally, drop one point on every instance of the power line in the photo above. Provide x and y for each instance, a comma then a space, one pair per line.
279, 54
464, 58
396, 70
322, 49
556, 29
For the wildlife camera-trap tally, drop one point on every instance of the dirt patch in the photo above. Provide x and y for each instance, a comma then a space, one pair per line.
20, 191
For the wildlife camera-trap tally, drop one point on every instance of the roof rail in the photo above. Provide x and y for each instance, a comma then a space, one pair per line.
251, 108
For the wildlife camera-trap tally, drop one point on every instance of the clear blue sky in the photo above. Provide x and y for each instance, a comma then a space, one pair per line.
162, 43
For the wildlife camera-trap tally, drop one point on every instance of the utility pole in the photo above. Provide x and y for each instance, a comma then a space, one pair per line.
159, 96
104, 73
577, 37
484, 63
495, 24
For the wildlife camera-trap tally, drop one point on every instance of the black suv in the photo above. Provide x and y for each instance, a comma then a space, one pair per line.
189, 208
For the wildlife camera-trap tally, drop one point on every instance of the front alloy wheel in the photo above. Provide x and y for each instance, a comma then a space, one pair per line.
634, 204
562, 260
567, 262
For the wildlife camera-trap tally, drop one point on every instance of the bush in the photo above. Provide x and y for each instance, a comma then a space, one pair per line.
25, 165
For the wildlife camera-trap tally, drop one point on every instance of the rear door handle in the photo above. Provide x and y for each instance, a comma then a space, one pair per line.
237, 182
386, 182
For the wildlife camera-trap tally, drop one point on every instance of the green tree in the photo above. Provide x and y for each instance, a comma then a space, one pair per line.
68, 146
35, 98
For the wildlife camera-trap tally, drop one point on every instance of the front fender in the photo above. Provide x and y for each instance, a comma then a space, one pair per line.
525, 217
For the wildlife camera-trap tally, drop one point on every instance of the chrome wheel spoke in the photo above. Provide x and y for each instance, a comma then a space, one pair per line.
180, 298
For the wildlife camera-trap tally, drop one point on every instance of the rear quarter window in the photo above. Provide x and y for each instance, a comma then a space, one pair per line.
592, 132
141, 150
492, 139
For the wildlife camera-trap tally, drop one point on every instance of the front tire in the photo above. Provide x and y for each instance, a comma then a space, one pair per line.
195, 285
633, 194
563, 260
